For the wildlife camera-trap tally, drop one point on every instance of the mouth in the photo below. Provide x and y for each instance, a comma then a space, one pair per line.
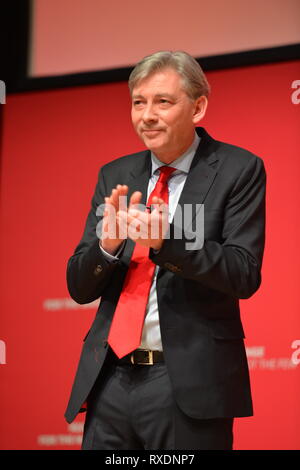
151, 132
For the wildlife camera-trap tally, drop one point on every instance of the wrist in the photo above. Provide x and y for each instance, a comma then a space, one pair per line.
109, 246
157, 246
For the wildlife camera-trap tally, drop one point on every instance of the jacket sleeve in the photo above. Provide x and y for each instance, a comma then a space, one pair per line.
88, 270
234, 265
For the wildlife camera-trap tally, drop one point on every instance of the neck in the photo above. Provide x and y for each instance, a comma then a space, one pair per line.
169, 157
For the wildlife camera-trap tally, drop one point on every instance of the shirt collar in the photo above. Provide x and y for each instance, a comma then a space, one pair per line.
183, 162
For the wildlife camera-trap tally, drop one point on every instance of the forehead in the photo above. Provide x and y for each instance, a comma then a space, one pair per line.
164, 81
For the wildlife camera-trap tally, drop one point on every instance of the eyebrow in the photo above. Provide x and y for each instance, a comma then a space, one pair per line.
159, 95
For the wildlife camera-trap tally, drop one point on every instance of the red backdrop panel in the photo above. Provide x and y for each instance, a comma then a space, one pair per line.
54, 143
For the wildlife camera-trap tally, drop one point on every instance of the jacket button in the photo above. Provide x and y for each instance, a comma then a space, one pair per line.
172, 267
98, 269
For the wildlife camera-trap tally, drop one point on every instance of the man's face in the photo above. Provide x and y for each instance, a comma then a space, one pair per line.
163, 115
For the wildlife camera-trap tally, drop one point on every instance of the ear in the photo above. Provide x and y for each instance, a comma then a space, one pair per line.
200, 109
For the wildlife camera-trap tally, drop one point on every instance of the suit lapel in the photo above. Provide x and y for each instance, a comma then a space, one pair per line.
202, 174
140, 175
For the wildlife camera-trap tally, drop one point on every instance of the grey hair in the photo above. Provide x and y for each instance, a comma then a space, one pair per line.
195, 83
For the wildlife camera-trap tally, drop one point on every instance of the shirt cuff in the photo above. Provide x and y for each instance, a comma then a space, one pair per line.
110, 257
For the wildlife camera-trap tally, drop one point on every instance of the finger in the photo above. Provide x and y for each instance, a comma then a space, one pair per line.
114, 197
108, 201
122, 223
118, 196
108, 207
160, 208
122, 215
157, 200
122, 203
134, 227
122, 189
132, 216
142, 217
133, 213
136, 198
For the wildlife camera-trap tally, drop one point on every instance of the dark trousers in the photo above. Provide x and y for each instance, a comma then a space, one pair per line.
131, 407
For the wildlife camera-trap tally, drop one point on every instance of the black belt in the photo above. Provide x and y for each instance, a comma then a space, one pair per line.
142, 357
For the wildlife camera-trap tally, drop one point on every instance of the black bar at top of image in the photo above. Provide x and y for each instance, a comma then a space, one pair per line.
238, 59
14, 39
16, 26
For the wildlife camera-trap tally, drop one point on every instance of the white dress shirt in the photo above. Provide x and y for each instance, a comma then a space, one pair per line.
151, 337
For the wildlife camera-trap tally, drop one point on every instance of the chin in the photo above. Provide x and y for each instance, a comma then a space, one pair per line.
153, 146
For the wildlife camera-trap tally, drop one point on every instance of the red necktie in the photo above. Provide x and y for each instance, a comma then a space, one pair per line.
126, 329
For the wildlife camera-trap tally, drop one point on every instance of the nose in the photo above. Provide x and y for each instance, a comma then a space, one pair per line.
149, 114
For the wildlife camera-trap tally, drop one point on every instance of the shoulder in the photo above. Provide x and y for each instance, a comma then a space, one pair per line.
236, 156
227, 154
236, 162
122, 169
125, 162
240, 167
235, 165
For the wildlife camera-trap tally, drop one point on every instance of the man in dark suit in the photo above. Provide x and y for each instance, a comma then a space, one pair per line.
183, 382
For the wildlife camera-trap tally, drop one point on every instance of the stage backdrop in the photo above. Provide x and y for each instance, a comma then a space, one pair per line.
54, 143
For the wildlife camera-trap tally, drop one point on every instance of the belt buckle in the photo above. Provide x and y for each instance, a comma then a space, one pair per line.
149, 359
132, 358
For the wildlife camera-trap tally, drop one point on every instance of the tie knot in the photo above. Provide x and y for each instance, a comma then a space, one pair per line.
165, 173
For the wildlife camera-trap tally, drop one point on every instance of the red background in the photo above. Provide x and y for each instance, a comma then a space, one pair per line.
54, 143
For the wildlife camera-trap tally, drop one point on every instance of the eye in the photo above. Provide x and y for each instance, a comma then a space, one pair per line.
165, 103
138, 104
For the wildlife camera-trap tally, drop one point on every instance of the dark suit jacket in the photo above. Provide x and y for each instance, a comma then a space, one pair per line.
198, 291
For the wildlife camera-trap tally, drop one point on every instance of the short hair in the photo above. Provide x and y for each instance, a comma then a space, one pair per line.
195, 83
